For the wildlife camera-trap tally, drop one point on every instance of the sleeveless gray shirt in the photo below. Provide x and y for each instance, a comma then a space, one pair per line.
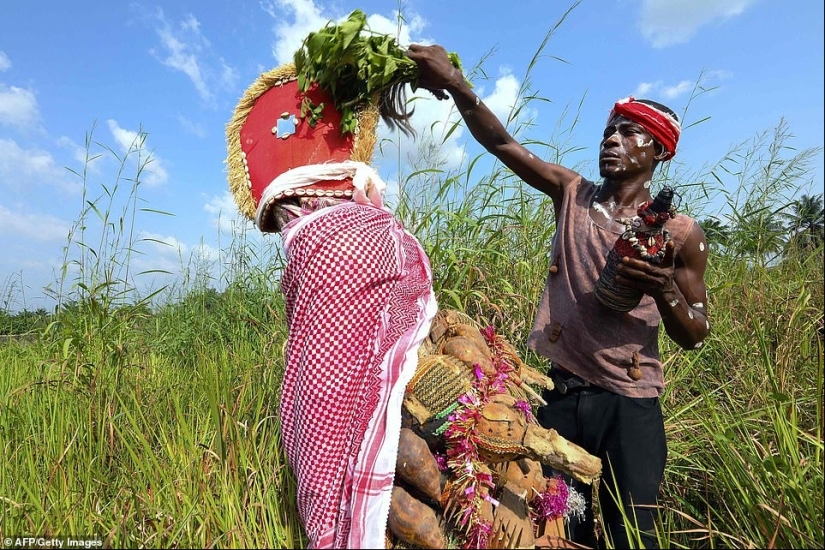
572, 328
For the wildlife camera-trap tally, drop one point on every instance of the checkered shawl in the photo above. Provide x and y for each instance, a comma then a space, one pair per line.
359, 302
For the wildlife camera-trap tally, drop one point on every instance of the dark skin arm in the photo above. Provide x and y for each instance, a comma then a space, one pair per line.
437, 74
677, 284
678, 287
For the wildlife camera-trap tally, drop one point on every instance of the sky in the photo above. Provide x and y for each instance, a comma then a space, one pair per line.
160, 80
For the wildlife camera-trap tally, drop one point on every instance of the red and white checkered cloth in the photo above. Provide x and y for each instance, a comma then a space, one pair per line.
359, 302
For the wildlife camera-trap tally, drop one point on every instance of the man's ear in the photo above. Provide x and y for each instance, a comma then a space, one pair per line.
659, 151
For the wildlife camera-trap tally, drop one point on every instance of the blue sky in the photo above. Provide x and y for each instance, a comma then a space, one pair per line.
176, 69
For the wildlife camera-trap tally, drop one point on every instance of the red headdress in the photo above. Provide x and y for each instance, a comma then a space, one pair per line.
661, 125
267, 137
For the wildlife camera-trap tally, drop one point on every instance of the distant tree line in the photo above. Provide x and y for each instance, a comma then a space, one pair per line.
800, 228
23, 322
797, 229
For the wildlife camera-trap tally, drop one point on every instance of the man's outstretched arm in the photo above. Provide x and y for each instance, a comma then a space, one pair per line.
438, 74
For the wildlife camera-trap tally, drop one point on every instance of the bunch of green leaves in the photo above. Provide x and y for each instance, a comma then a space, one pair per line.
352, 64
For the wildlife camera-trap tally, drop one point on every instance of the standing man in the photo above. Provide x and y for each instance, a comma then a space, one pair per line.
601, 402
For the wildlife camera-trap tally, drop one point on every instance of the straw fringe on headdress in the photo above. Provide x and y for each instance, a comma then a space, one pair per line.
240, 183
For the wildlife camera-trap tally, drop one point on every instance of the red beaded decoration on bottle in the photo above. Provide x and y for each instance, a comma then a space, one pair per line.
644, 238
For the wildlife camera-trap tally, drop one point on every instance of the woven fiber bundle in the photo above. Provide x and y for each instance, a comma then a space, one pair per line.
438, 382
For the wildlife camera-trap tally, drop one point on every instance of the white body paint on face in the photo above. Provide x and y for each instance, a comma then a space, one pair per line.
701, 247
639, 144
620, 148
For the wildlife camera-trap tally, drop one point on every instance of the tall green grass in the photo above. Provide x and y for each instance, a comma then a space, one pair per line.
148, 418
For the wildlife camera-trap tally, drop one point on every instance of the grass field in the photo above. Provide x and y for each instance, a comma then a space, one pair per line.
151, 420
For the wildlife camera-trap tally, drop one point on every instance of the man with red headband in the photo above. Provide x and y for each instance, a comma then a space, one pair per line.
605, 363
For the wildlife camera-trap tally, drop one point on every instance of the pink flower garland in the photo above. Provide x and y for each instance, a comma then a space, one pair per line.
472, 485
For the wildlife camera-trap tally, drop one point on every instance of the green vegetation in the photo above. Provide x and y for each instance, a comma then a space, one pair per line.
150, 420
365, 64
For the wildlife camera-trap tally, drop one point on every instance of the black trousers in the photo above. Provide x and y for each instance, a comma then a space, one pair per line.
628, 435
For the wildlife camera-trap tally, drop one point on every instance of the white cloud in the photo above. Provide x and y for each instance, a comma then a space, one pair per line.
153, 173
670, 22
306, 18
169, 254
503, 98
205, 253
431, 121
5, 62
42, 227
194, 128
227, 76
165, 253
683, 87
225, 215
645, 89
708, 80
412, 25
79, 153
295, 19
18, 107
164, 245
23, 170
187, 50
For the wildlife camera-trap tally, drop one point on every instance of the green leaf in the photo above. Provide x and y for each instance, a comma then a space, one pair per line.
390, 67
349, 32
352, 66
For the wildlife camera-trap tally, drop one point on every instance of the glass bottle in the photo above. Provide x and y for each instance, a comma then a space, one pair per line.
644, 238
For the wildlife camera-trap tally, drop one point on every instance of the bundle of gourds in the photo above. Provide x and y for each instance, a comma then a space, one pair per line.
469, 469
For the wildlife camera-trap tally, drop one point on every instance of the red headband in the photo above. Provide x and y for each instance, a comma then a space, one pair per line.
662, 126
